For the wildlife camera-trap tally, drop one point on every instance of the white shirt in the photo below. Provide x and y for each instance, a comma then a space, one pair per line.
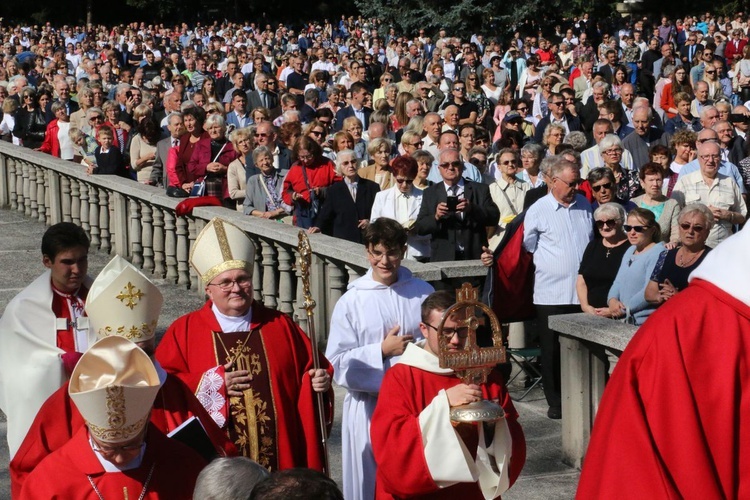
67, 151
557, 236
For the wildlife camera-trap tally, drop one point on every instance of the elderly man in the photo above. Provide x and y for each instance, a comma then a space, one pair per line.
412, 434
250, 366
262, 97
62, 91
432, 126
557, 230
456, 212
725, 167
702, 99
430, 96
265, 135
717, 191
371, 325
118, 453
592, 157
176, 128
644, 137
583, 83
43, 330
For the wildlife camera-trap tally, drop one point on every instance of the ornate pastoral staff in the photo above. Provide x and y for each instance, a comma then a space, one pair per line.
305, 262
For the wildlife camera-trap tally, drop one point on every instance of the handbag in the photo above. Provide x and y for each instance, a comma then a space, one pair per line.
306, 212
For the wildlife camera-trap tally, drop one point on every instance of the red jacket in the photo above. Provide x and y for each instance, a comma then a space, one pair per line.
196, 167
322, 174
51, 145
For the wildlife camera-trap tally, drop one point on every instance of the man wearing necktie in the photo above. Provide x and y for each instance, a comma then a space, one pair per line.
456, 212
176, 130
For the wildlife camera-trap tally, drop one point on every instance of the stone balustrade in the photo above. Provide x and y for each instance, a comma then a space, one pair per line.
590, 347
139, 223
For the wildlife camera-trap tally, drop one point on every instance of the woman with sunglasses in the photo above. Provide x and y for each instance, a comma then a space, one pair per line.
402, 203
674, 266
627, 297
601, 260
31, 125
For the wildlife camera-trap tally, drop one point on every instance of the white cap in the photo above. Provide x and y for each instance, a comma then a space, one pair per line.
123, 302
221, 246
114, 386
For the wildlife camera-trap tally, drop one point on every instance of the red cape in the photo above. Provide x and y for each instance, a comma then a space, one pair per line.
673, 421
187, 351
59, 419
64, 473
397, 439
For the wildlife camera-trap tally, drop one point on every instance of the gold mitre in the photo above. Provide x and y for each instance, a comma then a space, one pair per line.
123, 302
114, 386
221, 246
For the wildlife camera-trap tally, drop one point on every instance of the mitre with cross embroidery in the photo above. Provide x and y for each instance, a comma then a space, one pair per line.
122, 302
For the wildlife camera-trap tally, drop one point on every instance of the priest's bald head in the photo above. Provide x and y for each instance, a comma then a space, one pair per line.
223, 256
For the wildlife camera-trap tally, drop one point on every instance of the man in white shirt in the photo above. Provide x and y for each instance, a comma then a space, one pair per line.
557, 229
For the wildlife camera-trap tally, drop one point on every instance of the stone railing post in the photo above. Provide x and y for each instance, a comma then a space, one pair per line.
170, 245
25, 188
33, 206
42, 194
4, 178
269, 273
147, 238
94, 215
75, 200
286, 279
183, 248
84, 197
120, 218
159, 265
54, 197
136, 250
11, 165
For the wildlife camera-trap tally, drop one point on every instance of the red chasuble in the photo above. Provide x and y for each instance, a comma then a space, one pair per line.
69, 472
275, 422
397, 438
59, 419
674, 421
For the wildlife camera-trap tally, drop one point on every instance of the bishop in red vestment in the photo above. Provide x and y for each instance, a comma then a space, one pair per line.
251, 367
673, 421
168, 470
419, 452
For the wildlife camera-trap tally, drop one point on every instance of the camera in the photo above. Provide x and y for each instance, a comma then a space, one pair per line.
452, 203
739, 118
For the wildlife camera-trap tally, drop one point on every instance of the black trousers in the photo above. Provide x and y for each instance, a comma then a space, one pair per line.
549, 341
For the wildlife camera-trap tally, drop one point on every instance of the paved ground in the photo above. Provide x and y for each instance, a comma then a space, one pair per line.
543, 477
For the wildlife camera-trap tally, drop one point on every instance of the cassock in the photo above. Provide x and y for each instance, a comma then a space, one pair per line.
673, 421
275, 422
421, 454
360, 321
168, 470
59, 419
33, 339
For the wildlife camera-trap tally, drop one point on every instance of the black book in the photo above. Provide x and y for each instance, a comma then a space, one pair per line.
192, 433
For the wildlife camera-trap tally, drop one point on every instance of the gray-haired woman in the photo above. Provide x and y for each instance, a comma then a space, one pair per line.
263, 192
601, 259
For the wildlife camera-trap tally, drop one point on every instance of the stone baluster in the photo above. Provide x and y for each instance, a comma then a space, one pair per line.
353, 273
269, 274
337, 281
159, 267
4, 179
75, 200
94, 215
136, 250
286, 279
84, 188
183, 249
26, 186
170, 245
301, 314
194, 278
21, 172
32, 208
67, 186
104, 222
147, 238
12, 166
42, 194
257, 270
119, 224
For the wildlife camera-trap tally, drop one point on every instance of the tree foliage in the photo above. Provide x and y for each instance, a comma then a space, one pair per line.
457, 16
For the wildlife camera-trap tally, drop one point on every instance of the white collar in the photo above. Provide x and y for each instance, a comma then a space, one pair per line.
417, 356
231, 324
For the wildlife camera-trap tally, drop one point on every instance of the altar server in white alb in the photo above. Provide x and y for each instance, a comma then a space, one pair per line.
43, 331
371, 326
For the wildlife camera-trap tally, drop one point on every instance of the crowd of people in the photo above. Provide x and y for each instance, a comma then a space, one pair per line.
618, 150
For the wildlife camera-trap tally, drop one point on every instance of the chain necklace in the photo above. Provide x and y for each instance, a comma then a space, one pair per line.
125, 490
681, 262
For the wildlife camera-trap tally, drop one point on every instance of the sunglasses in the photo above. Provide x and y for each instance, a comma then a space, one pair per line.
598, 188
687, 226
637, 229
408, 181
572, 184
609, 222
453, 164
458, 89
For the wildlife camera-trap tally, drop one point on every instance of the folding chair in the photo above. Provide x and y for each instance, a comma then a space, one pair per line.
523, 357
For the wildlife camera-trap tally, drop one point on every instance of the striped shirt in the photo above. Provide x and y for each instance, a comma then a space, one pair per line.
557, 236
